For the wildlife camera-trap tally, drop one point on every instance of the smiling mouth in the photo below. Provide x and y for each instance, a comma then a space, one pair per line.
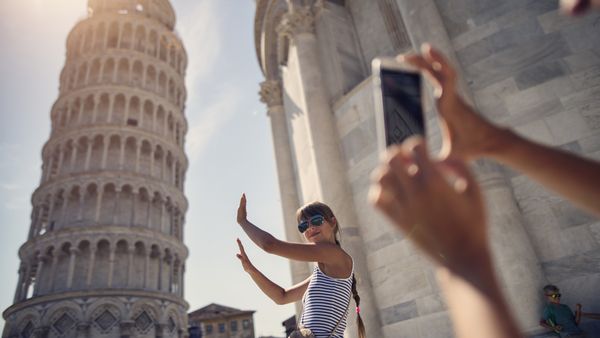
313, 234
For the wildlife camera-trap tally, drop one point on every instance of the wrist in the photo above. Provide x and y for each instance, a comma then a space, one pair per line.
499, 141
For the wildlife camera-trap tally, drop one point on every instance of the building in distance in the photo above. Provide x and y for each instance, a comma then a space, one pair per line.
218, 321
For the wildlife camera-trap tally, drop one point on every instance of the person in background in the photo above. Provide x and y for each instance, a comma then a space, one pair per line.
559, 317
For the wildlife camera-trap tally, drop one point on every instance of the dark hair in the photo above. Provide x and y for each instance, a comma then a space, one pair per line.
550, 288
317, 208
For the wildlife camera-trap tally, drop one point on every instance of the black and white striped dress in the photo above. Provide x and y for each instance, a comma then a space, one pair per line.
325, 302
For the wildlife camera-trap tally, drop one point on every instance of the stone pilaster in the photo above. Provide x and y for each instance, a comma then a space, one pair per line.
332, 186
514, 256
271, 95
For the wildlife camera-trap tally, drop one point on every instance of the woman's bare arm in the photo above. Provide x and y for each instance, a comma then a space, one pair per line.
327, 253
278, 294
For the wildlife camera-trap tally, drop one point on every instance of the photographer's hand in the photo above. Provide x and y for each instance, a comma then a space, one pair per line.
465, 134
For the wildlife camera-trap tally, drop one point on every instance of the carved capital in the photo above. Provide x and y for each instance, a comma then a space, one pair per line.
270, 93
297, 21
320, 6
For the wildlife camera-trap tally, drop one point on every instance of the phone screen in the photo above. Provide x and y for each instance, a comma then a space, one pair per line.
402, 108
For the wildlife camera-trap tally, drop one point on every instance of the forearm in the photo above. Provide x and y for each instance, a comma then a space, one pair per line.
272, 290
572, 176
260, 237
476, 305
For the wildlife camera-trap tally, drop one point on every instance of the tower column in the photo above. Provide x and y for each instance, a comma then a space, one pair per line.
271, 94
298, 26
88, 155
73, 256
53, 270
130, 252
38, 275
111, 265
99, 197
91, 267
147, 268
511, 247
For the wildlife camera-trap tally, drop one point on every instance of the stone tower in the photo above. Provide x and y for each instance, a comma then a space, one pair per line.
105, 254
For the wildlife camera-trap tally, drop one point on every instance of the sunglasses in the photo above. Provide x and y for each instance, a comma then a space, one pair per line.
554, 296
316, 220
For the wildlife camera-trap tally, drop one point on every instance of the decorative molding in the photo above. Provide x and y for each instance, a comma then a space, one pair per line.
297, 21
394, 24
271, 93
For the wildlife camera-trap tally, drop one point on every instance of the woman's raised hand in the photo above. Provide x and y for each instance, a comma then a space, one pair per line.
242, 215
246, 264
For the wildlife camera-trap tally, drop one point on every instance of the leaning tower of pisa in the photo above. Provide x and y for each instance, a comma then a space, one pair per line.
105, 255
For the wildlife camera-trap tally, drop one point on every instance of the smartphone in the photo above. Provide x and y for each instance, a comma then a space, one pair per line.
398, 102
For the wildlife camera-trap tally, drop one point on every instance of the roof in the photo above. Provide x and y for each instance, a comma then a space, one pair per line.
214, 311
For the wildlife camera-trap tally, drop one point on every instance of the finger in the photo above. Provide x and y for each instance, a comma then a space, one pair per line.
415, 147
439, 62
467, 182
403, 167
242, 251
419, 62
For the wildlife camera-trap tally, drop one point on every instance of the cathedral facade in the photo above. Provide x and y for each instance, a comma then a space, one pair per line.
523, 64
105, 255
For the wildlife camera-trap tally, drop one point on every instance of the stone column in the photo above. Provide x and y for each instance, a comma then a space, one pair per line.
160, 330
130, 277
73, 255
126, 328
88, 155
105, 146
111, 266
53, 270
100, 195
332, 185
122, 154
160, 272
83, 330
134, 196
147, 268
80, 207
38, 275
41, 332
115, 215
517, 264
270, 93
91, 267
138, 150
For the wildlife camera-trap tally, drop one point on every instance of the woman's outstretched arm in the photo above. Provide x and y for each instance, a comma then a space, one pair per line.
278, 294
310, 252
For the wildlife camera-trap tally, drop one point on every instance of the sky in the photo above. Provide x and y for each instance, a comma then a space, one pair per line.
228, 144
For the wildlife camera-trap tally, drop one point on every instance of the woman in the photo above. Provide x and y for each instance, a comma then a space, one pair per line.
326, 293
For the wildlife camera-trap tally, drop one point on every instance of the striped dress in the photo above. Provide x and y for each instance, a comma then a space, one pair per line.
325, 302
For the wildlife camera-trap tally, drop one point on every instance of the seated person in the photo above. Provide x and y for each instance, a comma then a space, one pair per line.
559, 317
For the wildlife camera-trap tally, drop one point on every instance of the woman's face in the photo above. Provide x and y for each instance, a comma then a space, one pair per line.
320, 230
